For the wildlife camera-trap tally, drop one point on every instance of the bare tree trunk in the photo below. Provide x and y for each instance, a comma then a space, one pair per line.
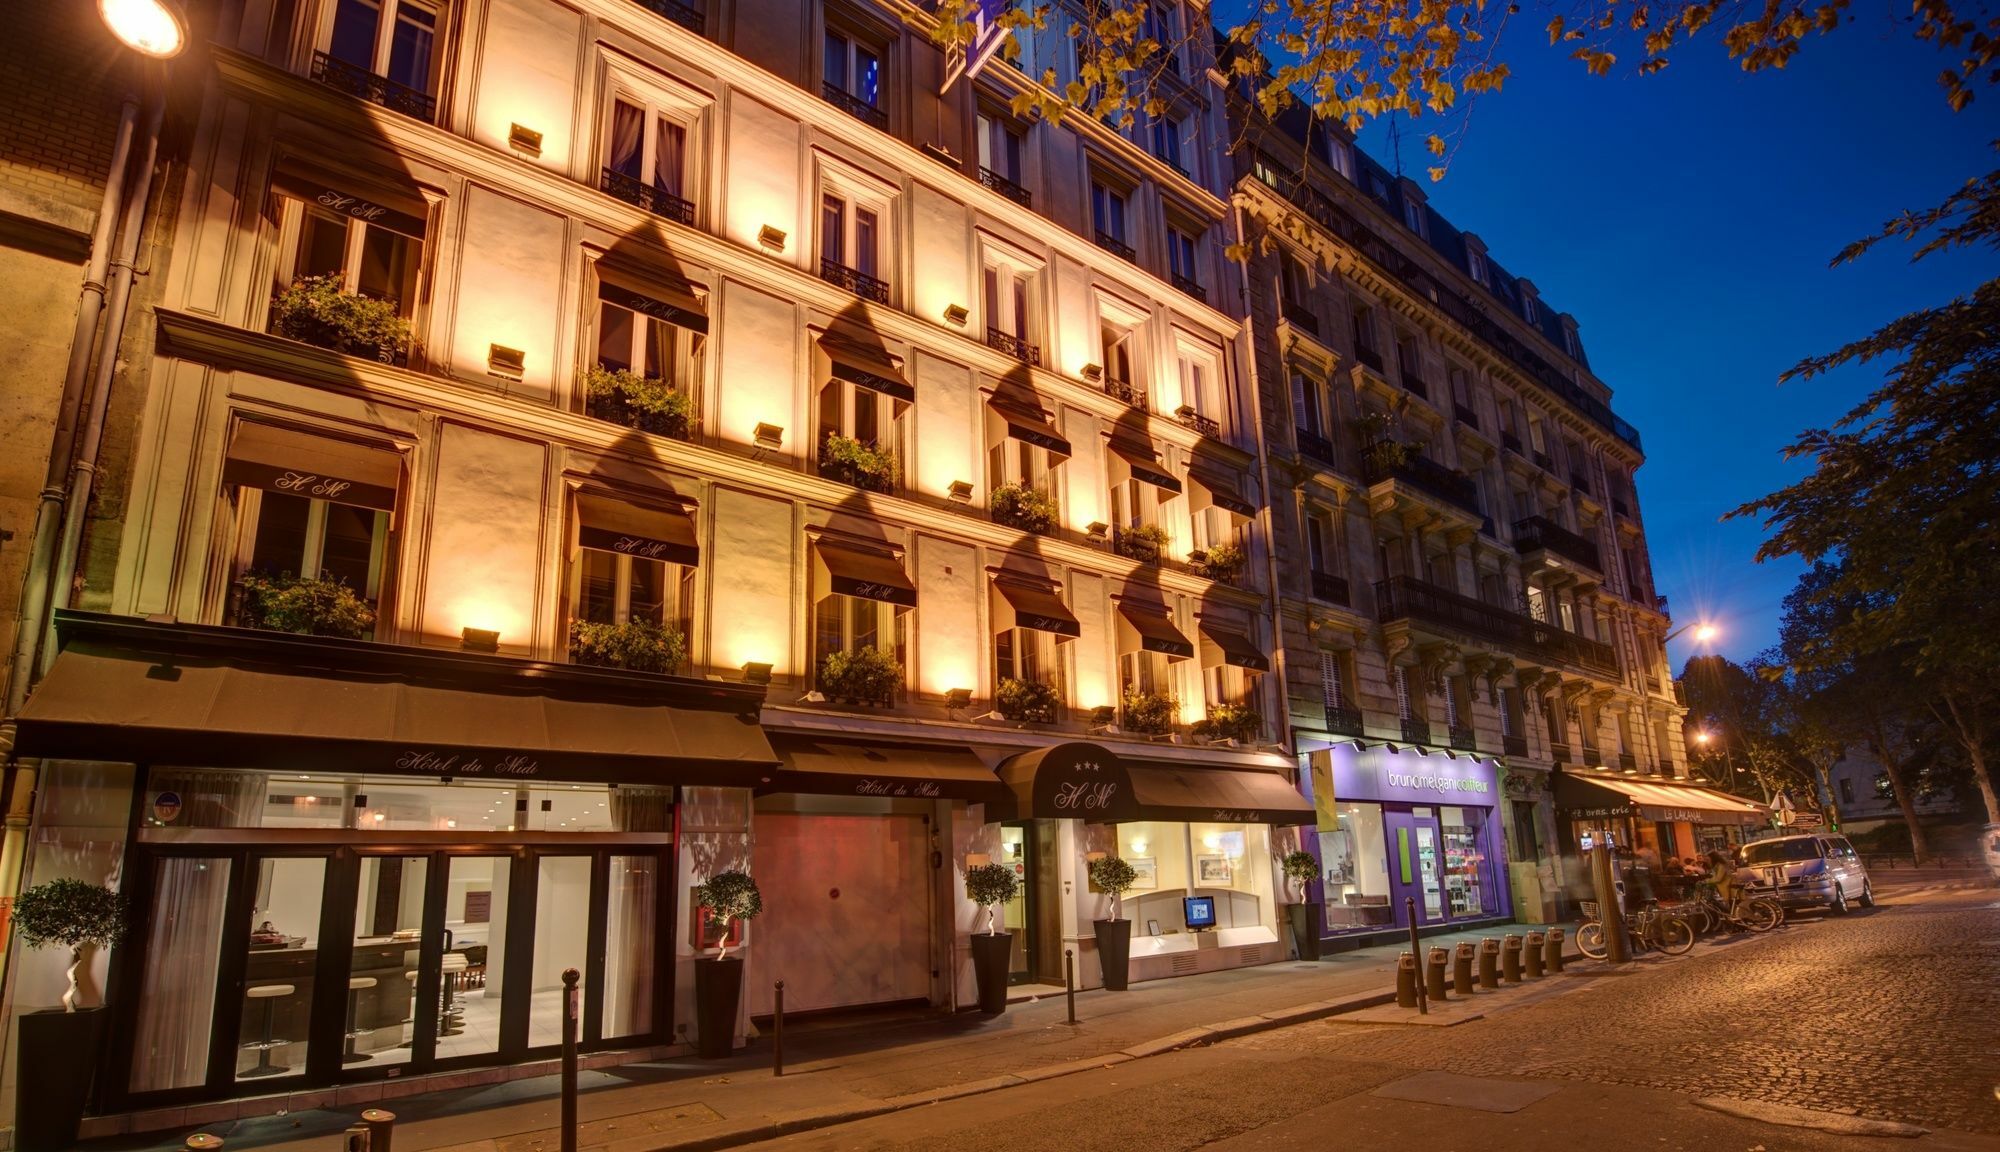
1968, 725
1878, 743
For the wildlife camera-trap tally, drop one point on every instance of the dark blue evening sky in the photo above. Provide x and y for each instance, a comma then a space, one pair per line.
1686, 220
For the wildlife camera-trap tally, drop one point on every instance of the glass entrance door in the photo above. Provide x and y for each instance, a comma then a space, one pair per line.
1415, 867
1034, 917
280, 937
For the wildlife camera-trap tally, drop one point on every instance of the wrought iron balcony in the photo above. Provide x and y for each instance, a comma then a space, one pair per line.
1620, 508
1463, 738
1580, 481
360, 82
1465, 415
1126, 391
1559, 751
640, 194
1416, 730
685, 15
855, 106
1514, 745
1414, 384
1330, 588
1343, 720
1005, 187
1315, 446
1368, 356
1192, 287
1628, 762
1115, 246
1541, 460
1299, 316
1190, 418
1014, 346
1426, 476
1539, 532
1406, 598
1510, 442
860, 283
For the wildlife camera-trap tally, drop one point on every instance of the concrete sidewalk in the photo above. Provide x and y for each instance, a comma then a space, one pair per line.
838, 1074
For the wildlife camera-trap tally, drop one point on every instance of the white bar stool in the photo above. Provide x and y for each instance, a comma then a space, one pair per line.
269, 994
354, 1032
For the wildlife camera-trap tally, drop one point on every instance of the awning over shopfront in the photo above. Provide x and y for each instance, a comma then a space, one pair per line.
1145, 627
1221, 644
862, 571
1019, 603
1214, 488
302, 464
1030, 425
139, 692
650, 533
1090, 782
675, 304
1138, 461
868, 368
830, 767
1594, 797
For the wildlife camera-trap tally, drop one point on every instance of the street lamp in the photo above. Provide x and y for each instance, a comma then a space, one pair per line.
154, 28
1703, 632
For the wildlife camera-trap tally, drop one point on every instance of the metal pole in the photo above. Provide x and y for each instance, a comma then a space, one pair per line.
1604, 882
1069, 981
778, 1029
571, 1002
381, 1128
1423, 1000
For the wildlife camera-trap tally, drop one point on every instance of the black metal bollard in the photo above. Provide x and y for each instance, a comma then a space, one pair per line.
1554, 959
1531, 955
203, 1142
778, 1028
1510, 958
1069, 981
1434, 964
1406, 981
1410, 913
1489, 963
1461, 968
572, 1003
381, 1128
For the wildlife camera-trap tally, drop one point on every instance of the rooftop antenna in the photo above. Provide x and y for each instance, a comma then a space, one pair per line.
1396, 142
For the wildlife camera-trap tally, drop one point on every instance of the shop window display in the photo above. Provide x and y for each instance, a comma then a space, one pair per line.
1465, 863
1355, 856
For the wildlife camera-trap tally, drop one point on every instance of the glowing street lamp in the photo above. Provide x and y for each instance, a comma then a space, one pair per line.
154, 28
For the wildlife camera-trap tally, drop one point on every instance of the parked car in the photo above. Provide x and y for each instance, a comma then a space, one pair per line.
1810, 871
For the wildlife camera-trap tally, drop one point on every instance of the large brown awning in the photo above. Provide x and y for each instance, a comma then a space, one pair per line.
854, 570
397, 209
675, 304
1089, 782
1139, 462
302, 464
831, 767
1147, 627
131, 691
1213, 488
1030, 426
1021, 604
1588, 797
650, 533
867, 368
1171, 791
1223, 645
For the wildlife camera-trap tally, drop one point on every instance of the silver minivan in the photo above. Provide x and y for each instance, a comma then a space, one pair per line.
1816, 870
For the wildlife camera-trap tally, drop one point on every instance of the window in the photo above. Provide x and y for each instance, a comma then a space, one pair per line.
1413, 216
1000, 155
1409, 706
1847, 791
1493, 589
1364, 337
1307, 409
848, 624
1008, 299
860, 435
1340, 154
1181, 260
1510, 420
1332, 680
1145, 672
1528, 311
283, 535
1409, 365
1537, 440
1163, 26
862, 598
1571, 344
367, 247
1107, 213
1457, 703
610, 587
1167, 132
651, 338
850, 247
1296, 280
1115, 341
1198, 380
853, 70
1510, 713
1526, 843
1319, 543
645, 160
1461, 396
396, 40
1475, 265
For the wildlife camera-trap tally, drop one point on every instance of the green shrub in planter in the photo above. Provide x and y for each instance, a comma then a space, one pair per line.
1150, 713
867, 675
1113, 875
70, 914
1229, 722
1301, 869
1224, 562
636, 645
1034, 701
1019, 506
311, 607
318, 310
989, 886
729, 897
643, 402
1143, 543
849, 461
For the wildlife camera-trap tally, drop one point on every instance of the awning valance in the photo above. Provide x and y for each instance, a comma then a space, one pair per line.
1170, 791
857, 570
302, 464
1139, 462
612, 525
674, 304
829, 767
1029, 426
1212, 488
1144, 627
1089, 782
867, 368
1024, 604
401, 211
132, 691
1223, 645
1590, 797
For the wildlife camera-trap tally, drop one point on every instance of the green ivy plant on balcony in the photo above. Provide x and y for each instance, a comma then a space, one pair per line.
1225, 561
849, 461
646, 403
318, 310
636, 646
1033, 701
1019, 506
1143, 543
1229, 722
1149, 713
310, 607
868, 675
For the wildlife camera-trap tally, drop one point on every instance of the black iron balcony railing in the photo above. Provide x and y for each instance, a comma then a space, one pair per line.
1514, 745
1539, 532
1005, 187
1414, 384
1580, 482
1406, 598
1592, 758
1014, 346
1368, 356
1315, 446
1191, 286
1343, 720
860, 283
1620, 508
1426, 476
1541, 460
358, 81
1510, 442
685, 15
1628, 762
855, 106
1126, 391
1464, 415
1463, 738
1416, 730
1330, 588
640, 194
1115, 246
1299, 316
1559, 751
1204, 425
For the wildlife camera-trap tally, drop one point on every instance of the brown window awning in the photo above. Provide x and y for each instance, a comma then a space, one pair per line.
1144, 627
1221, 645
1213, 488
1139, 462
1084, 781
867, 368
1023, 604
609, 524
1589, 797
136, 692
869, 573
1172, 791
302, 464
1029, 425
822, 767
674, 304
399, 210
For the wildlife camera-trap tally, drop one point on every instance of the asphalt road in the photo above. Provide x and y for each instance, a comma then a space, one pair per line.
1891, 1014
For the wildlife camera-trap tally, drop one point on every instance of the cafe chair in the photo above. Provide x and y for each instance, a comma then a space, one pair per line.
269, 994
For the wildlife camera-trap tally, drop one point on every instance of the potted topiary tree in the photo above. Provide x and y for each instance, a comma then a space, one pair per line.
1114, 936
989, 886
726, 897
1301, 869
58, 1049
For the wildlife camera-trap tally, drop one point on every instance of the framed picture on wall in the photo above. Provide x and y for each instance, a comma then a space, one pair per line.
1213, 872
1152, 927
479, 907
1145, 873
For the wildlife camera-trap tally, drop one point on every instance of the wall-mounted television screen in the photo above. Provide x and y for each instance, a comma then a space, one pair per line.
1200, 911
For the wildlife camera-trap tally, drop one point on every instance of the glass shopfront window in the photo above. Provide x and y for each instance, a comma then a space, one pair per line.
1227, 861
215, 798
1356, 858
1467, 870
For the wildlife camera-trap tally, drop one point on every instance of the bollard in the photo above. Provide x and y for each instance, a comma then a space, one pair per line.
778, 1028
571, 1003
1531, 955
1554, 960
1069, 981
1510, 958
203, 1142
355, 1139
1410, 913
1489, 961
1406, 981
381, 1128
1434, 986
1461, 968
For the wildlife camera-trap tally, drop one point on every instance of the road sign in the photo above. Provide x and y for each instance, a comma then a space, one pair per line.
1808, 820
1783, 803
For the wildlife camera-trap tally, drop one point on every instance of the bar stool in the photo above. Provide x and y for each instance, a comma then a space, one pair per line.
354, 1032
269, 994
451, 1014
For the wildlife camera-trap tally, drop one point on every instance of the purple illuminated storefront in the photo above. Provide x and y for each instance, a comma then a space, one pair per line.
1401, 825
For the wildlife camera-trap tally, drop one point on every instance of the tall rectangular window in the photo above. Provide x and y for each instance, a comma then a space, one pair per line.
1107, 212
1000, 148
1167, 131
645, 159
854, 68
395, 39
1332, 680
1181, 258
1306, 404
1340, 154
850, 235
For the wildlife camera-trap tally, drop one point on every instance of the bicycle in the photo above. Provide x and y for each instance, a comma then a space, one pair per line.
1754, 914
1650, 927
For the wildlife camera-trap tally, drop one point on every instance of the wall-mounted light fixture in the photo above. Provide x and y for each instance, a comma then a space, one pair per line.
479, 639
957, 698
524, 139
756, 672
957, 314
506, 363
768, 436
1097, 531
961, 491
1093, 372
772, 238
1185, 411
